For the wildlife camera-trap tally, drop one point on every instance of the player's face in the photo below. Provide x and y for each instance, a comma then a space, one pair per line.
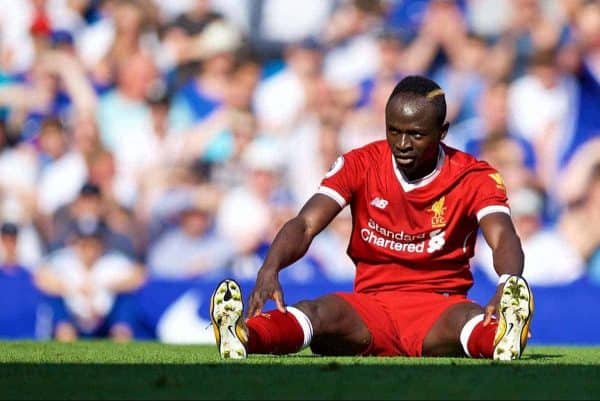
414, 135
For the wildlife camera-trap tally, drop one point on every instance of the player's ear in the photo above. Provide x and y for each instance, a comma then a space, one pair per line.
444, 130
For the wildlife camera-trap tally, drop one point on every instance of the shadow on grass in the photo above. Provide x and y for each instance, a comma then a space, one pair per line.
443, 360
296, 381
538, 357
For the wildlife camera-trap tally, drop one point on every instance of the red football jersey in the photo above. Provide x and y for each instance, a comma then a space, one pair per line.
415, 235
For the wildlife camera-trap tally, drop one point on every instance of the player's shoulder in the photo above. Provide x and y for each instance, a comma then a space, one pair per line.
471, 171
467, 163
372, 151
360, 159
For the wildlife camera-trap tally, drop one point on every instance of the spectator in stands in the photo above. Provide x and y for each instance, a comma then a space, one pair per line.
167, 195
280, 99
531, 28
581, 220
18, 164
225, 148
586, 124
120, 31
30, 245
192, 248
124, 116
463, 73
367, 123
581, 164
55, 86
63, 170
93, 285
196, 18
88, 209
269, 28
177, 38
541, 111
204, 92
491, 121
245, 212
397, 58
10, 265
350, 38
220, 138
122, 172
22, 312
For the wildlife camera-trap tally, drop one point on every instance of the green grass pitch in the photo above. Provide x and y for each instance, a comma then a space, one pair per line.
148, 370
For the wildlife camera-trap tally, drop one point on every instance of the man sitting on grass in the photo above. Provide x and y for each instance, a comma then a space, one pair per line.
417, 205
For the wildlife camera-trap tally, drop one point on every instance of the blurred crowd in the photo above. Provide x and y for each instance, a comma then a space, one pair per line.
145, 139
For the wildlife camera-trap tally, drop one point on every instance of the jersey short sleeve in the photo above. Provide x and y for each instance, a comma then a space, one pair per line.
344, 177
489, 194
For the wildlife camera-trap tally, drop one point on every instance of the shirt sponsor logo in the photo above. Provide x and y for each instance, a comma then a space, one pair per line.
379, 203
438, 210
382, 237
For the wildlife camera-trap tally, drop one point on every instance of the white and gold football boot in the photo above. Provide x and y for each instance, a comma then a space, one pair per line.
514, 318
226, 315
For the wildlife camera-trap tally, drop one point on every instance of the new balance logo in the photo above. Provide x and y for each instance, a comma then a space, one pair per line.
379, 203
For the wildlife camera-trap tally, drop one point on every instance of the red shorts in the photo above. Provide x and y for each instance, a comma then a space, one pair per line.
399, 321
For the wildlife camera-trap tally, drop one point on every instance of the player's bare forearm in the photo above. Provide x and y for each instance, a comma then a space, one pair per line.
290, 244
507, 253
502, 238
508, 256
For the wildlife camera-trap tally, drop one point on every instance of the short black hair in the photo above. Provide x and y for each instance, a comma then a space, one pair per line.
422, 86
8, 228
89, 188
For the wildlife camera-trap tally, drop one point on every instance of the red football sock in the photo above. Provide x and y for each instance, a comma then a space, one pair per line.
481, 341
274, 332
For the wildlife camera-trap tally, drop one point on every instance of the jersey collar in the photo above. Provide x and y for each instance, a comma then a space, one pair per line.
421, 182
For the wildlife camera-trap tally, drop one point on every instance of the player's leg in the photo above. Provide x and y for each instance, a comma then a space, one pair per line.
338, 329
329, 324
460, 329
444, 337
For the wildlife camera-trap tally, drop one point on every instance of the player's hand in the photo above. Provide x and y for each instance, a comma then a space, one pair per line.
267, 287
492, 306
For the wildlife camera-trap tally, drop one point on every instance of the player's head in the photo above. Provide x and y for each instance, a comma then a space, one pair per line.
415, 118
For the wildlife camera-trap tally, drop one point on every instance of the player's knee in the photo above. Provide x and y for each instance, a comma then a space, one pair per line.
465, 315
328, 315
312, 310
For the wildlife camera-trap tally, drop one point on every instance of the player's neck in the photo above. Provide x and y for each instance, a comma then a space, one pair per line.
421, 173
424, 171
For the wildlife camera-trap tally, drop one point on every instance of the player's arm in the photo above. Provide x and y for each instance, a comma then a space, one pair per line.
290, 244
499, 232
